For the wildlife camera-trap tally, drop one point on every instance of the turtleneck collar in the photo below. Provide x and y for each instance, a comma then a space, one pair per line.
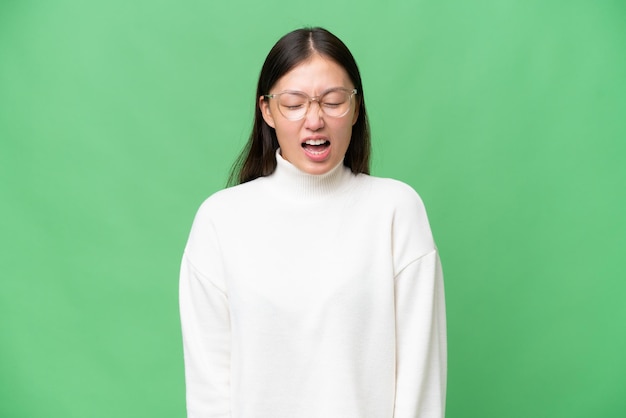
290, 181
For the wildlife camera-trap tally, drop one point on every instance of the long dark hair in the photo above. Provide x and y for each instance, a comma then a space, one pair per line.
258, 158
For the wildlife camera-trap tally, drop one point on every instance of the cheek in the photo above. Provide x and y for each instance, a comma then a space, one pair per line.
345, 130
287, 133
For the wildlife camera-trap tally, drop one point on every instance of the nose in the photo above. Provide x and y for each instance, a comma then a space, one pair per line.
313, 120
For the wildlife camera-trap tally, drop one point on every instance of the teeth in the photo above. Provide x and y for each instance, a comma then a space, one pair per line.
315, 141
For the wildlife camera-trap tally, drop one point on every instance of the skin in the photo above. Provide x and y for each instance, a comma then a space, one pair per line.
313, 77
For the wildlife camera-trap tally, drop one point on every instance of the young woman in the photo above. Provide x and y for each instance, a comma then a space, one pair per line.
311, 289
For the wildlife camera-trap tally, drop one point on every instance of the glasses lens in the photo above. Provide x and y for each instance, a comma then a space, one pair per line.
335, 103
293, 105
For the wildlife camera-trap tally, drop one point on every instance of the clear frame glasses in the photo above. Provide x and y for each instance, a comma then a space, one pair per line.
294, 105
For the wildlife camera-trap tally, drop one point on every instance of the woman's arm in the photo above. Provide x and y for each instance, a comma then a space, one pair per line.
205, 320
206, 343
421, 348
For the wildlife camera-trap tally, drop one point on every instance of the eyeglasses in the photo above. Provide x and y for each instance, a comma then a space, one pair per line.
294, 105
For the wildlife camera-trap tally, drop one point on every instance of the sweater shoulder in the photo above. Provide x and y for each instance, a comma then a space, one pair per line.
394, 192
410, 226
223, 207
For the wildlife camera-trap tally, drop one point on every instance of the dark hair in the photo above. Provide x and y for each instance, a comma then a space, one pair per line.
258, 158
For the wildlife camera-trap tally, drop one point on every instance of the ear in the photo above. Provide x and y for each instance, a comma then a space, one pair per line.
264, 105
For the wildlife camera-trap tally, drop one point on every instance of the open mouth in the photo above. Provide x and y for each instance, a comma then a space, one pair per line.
316, 146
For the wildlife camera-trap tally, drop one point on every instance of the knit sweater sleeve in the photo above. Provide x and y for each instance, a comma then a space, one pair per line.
204, 312
421, 340
421, 347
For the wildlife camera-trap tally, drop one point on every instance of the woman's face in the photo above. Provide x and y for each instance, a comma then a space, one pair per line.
317, 143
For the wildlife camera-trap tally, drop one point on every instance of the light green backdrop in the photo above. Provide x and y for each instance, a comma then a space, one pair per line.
118, 118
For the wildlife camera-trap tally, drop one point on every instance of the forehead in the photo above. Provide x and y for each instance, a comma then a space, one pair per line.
314, 75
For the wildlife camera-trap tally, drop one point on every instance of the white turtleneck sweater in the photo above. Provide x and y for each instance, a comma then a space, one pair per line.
308, 296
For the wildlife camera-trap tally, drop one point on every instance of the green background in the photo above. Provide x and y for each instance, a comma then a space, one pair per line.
118, 118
